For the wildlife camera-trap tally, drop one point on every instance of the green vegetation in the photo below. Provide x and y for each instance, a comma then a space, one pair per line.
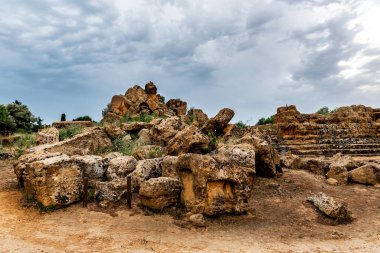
83, 118
16, 117
325, 110
141, 118
124, 147
241, 125
69, 132
106, 110
63, 117
265, 121
155, 152
25, 141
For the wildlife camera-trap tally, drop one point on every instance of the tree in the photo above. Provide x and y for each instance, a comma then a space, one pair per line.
63, 117
264, 121
22, 116
323, 110
83, 118
7, 122
106, 110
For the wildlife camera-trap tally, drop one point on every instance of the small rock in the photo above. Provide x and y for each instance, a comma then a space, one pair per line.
332, 181
197, 220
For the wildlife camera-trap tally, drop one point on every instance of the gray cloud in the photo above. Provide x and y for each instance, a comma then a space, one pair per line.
252, 56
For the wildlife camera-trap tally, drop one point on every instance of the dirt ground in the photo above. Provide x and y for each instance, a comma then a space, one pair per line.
280, 221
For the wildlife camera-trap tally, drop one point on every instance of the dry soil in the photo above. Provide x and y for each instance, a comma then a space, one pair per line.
281, 220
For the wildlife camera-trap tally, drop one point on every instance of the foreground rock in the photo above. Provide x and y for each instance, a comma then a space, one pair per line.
189, 140
47, 135
164, 130
158, 193
267, 158
145, 170
330, 207
219, 122
213, 189
85, 143
366, 174
120, 167
110, 192
54, 182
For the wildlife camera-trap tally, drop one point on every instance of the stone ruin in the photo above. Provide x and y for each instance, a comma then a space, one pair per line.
185, 159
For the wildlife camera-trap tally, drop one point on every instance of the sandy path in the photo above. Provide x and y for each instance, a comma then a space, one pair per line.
280, 222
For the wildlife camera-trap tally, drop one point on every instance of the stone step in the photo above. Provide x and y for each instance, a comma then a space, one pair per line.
334, 146
331, 152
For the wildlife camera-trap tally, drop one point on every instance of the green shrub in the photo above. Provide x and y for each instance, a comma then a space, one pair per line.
25, 141
241, 125
83, 118
265, 121
326, 111
124, 147
69, 132
155, 152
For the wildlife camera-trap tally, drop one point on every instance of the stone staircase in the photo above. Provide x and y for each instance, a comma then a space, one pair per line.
327, 136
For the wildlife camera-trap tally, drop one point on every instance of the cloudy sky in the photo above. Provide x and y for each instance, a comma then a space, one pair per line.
250, 55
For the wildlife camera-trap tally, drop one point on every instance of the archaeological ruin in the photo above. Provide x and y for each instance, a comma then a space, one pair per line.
175, 157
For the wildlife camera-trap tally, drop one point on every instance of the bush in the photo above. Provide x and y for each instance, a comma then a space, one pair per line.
83, 118
106, 110
121, 146
69, 132
326, 111
25, 141
241, 125
265, 121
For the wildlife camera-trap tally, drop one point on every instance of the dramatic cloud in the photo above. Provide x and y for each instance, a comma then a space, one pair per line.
72, 56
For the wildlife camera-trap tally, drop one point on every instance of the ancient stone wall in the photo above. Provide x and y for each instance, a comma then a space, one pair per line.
352, 130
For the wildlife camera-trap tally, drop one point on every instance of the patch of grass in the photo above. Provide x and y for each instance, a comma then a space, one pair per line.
126, 148
25, 141
69, 132
155, 152
141, 118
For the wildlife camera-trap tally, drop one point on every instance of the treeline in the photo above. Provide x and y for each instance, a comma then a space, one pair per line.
16, 117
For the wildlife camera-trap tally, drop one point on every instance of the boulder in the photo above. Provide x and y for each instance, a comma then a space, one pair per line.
148, 152
150, 88
109, 157
189, 140
219, 122
86, 143
113, 131
340, 174
211, 188
343, 161
54, 182
241, 155
92, 166
332, 181
290, 161
144, 137
178, 106
119, 105
316, 166
339, 168
366, 174
47, 135
155, 105
197, 116
135, 98
158, 193
135, 127
20, 165
145, 170
332, 208
197, 220
111, 191
120, 167
265, 154
169, 166
163, 130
